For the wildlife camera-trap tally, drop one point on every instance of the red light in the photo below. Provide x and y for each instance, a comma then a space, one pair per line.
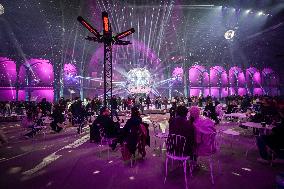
89, 27
124, 34
106, 23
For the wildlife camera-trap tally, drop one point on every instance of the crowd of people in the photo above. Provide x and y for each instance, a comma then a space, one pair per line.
135, 133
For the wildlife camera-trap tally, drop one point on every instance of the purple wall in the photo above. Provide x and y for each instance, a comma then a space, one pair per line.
257, 91
215, 92
242, 91
42, 72
39, 94
224, 92
10, 94
196, 74
7, 72
195, 92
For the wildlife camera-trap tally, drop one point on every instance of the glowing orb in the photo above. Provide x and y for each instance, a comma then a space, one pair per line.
229, 34
139, 80
1, 9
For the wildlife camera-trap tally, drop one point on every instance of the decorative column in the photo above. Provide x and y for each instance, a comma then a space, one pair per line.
185, 79
57, 71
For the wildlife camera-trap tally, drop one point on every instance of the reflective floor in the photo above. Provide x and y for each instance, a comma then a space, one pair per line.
69, 160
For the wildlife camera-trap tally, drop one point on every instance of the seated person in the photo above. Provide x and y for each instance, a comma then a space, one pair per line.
219, 110
58, 117
231, 107
274, 142
104, 121
136, 133
210, 111
204, 128
181, 126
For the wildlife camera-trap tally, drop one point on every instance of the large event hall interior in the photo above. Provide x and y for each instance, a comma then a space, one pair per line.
140, 94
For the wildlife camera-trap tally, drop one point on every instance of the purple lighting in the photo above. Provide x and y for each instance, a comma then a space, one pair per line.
42, 72
70, 71
7, 72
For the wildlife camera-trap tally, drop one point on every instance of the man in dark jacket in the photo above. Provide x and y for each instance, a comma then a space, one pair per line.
104, 121
114, 106
274, 141
181, 126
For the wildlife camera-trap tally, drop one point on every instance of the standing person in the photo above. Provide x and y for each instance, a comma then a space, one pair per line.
7, 108
78, 113
173, 111
141, 102
160, 102
157, 102
148, 102
114, 106
58, 117
165, 102
124, 104
189, 101
119, 102
45, 107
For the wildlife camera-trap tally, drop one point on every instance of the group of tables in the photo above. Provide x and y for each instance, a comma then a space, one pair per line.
242, 118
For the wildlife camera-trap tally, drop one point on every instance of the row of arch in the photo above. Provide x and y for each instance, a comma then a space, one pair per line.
35, 79
40, 71
232, 81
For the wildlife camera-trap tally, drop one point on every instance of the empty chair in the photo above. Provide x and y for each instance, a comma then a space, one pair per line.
105, 141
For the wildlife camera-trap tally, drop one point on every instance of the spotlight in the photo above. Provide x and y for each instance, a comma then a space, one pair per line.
260, 13
229, 35
1, 9
248, 11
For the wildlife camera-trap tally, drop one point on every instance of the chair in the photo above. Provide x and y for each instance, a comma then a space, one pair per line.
274, 156
160, 135
212, 144
105, 141
156, 126
175, 150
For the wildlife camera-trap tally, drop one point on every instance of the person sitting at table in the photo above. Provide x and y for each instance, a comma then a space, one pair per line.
58, 118
246, 103
203, 128
104, 121
230, 107
136, 133
179, 125
274, 141
210, 111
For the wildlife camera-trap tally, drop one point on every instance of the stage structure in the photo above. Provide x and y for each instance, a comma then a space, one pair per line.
108, 40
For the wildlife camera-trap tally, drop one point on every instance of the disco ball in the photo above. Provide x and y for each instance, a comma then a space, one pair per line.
139, 80
1, 9
229, 34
